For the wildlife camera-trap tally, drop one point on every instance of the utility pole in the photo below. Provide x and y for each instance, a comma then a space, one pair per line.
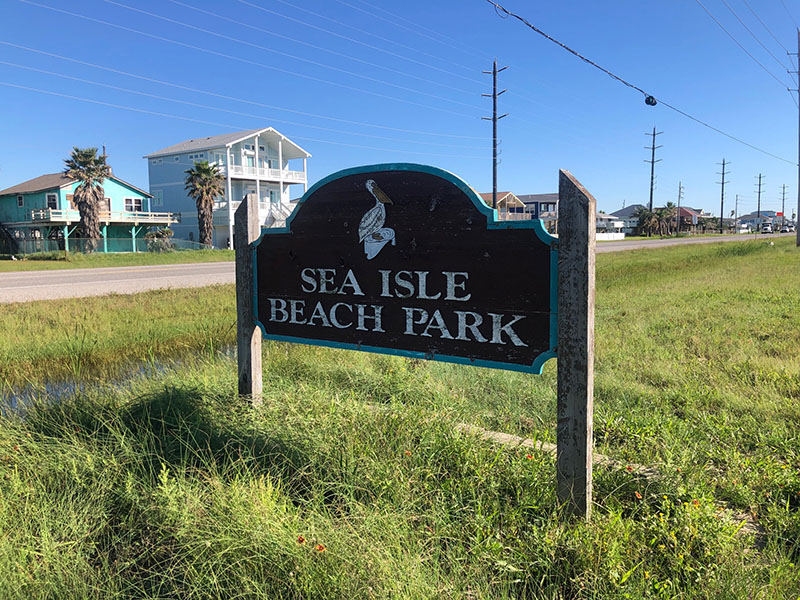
722, 195
494, 119
678, 212
736, 211
783, 205
797, 229
653, 162
758, 214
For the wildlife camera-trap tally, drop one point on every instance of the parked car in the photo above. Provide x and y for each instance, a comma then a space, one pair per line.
766, 228
785, 229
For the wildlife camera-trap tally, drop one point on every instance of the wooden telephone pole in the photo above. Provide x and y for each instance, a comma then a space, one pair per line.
722, 196
652, 162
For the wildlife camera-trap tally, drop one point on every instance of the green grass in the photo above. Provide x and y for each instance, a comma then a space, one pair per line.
76, 260
171, 487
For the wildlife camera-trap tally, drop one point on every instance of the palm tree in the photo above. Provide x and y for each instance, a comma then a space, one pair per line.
648, 222
204, 182
90, 170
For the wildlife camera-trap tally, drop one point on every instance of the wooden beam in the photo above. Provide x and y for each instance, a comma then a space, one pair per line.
576, 267
248, 336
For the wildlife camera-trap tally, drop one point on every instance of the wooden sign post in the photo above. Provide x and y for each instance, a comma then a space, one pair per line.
576, 256
407, 260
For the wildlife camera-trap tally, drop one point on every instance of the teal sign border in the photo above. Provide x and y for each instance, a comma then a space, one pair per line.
492, 222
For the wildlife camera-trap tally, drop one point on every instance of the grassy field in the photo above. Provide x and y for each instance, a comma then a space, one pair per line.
76, 260
352, 482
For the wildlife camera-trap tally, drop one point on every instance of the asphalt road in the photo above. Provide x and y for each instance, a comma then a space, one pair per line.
25, 286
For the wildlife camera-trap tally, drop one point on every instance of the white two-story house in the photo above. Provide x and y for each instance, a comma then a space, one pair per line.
261, 161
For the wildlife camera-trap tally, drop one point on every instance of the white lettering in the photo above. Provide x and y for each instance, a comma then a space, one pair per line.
309, 279
405, 284
437, 322
350, 281
326, 279
334, 318
463, 326
319, 313
411, 321
362, 316
278, 305
422, 287
453, 285
498, 329
297, 307
385, 283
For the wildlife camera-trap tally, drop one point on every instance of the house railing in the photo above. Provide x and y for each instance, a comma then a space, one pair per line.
265, 173
269, 211
61, 215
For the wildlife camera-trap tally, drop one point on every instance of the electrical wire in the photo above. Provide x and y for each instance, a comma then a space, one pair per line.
735, 41
631, 85
355, 41
226, 125
233, 112
791, 16
286, 54
378, 37
245, 60
395, 21
320, 48
733, 12
242, 100
765, 26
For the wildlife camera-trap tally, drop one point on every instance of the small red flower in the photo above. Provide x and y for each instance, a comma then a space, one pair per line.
407, 452
529, 456
320, 548
301, 540
696, 502
16, 448
629, 469
638, 495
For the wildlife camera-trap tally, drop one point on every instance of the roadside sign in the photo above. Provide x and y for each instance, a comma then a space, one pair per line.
406, 259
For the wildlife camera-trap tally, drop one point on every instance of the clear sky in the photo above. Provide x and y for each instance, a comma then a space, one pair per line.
360, 82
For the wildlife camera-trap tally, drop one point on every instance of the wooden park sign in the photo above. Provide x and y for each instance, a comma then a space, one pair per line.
406, 259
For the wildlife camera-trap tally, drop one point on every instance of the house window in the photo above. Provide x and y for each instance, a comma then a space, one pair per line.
251, 161
158, 198
52, 201
20, 200
191, 236
219, 158
273, 196
133, 204
248, 146
106, 205
261, 149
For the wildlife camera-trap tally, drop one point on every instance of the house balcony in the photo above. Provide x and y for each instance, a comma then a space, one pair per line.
265, 174
53, 216
272, 214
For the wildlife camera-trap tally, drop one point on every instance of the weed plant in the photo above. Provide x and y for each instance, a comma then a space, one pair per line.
352, 481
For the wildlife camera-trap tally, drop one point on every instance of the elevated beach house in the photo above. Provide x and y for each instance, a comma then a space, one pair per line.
260, 161
42, 209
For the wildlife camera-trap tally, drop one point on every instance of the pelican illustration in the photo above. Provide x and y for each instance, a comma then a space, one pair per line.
371, 230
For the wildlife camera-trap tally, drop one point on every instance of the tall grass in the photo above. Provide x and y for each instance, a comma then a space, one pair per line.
172, 487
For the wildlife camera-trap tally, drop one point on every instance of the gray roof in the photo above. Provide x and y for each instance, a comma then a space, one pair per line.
53, 181
530, 198
225, 139
628, 211
39, 184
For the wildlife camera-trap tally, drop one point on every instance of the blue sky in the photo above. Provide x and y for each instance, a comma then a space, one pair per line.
359, 82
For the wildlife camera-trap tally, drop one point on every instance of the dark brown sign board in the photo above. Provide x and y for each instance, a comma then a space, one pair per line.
406, 259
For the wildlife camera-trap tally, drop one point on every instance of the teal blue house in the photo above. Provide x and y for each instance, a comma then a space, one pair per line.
43, 209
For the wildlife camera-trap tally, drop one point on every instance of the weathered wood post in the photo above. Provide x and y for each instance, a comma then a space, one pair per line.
576, 265
248, 336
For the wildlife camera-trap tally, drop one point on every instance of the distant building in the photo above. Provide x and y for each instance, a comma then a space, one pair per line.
43, 208
755, 221
544, 207
259, 161
629, 218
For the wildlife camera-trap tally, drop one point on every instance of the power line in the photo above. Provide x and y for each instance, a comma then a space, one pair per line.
233, 112
765, 26
285, 54
245, 60
315, 47
349, 39
791, 16
227, 126
237, 99
735, 41
415, 28
782, 65
649, 99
